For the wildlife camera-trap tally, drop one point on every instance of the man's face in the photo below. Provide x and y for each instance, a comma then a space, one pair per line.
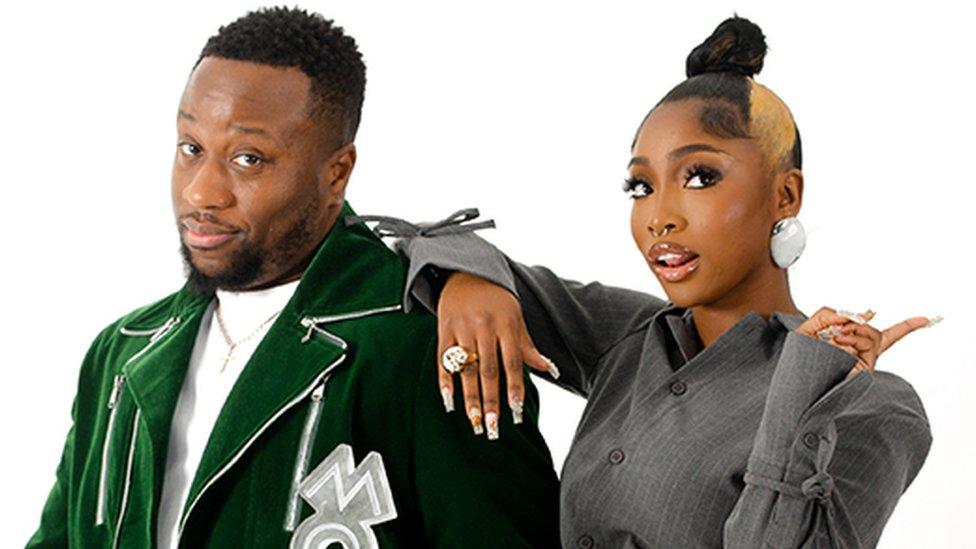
254, 186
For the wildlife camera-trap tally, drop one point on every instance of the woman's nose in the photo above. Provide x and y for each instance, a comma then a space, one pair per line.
664, 217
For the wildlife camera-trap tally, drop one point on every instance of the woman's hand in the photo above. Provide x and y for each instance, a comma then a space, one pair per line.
485, 318
852, 333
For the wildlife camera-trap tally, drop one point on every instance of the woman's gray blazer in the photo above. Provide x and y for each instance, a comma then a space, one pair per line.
757, 440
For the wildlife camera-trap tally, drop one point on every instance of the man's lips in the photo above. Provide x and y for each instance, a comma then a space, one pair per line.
205, 235
672, 261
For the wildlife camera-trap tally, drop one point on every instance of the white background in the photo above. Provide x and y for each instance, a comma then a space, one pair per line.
526, 111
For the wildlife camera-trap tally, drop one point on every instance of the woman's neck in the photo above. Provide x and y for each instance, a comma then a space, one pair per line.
764, 294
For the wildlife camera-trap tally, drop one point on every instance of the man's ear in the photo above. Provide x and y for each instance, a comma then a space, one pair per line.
788, 188
336, 173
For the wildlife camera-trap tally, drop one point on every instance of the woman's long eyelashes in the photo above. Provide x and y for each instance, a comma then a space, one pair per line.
637, 188
700, 176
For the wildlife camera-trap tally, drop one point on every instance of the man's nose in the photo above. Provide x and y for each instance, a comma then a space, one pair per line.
209, 188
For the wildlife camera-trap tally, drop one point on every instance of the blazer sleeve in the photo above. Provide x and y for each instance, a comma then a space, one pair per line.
476, 493
832, 454
572, 323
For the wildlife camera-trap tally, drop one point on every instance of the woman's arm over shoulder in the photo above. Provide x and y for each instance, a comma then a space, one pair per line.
572, 323
832, 456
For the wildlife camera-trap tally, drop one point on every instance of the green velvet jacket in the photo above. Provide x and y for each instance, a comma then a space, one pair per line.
343, 388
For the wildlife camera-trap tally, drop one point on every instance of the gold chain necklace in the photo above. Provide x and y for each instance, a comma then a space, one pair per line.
231, 344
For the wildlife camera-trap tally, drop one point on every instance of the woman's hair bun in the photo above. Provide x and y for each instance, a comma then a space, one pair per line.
737, 45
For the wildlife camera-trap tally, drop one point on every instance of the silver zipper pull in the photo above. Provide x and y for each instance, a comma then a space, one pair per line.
113, 399
318, 393
311, 326
172, 321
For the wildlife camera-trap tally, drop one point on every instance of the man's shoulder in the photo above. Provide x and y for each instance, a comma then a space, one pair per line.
145, 317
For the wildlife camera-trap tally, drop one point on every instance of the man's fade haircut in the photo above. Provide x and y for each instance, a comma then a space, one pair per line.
720, 72
292, 37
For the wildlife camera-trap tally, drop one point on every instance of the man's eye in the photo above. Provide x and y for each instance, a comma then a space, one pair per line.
189, 149
246, 160
637, 188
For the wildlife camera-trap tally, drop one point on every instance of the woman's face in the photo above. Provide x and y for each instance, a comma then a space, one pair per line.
704, 208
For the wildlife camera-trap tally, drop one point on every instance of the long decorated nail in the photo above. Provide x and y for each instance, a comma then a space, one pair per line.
516, 406
474, 414
553, 371
491, 422
828, 333
853, 316
448, 397
935, 320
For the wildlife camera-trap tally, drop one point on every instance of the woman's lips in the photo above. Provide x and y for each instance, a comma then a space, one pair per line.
673, 262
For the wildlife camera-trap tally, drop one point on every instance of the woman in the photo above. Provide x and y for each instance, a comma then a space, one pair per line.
724, 416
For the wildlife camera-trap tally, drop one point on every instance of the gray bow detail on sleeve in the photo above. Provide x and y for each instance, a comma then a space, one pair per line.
452, 224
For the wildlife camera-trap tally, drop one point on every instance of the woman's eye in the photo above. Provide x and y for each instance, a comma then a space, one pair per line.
699, 177
246, 160
637, 188
189, 149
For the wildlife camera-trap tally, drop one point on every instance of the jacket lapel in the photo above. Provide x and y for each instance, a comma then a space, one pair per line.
353, 274
154, 374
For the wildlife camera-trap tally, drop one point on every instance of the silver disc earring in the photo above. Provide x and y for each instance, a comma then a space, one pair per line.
787, 241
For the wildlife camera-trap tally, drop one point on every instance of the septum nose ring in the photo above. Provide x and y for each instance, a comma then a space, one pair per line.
667, 229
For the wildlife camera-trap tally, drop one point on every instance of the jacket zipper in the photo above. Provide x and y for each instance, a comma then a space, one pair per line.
311, 322
240, 452
113, 401
304, 453
128, 478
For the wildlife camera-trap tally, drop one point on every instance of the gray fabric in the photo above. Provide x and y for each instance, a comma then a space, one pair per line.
757, 440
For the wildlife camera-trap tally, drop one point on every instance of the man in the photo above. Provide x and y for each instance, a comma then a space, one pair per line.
283, 395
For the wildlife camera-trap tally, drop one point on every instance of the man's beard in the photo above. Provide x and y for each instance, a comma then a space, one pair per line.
249, 262
243, 268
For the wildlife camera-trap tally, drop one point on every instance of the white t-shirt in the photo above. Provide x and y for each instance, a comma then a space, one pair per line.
205, 389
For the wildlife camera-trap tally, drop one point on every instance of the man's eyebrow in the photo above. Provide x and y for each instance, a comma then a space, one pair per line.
248, 129
693, 147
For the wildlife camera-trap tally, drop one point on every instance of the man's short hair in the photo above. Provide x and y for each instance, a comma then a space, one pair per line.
291, 37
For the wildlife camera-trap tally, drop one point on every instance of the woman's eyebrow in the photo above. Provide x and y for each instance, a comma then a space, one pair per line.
678, 153
693, 147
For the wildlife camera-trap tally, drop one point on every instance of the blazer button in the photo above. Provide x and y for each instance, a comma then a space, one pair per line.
810, 439
616, 456
585, 542
678, 388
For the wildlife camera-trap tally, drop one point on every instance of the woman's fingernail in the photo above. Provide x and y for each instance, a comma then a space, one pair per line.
935, 320
491, 422
852, 316
553, 371
828, 333
475, 415
516, 406
448, 397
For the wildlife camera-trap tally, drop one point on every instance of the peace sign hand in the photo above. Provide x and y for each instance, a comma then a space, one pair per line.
852, 333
